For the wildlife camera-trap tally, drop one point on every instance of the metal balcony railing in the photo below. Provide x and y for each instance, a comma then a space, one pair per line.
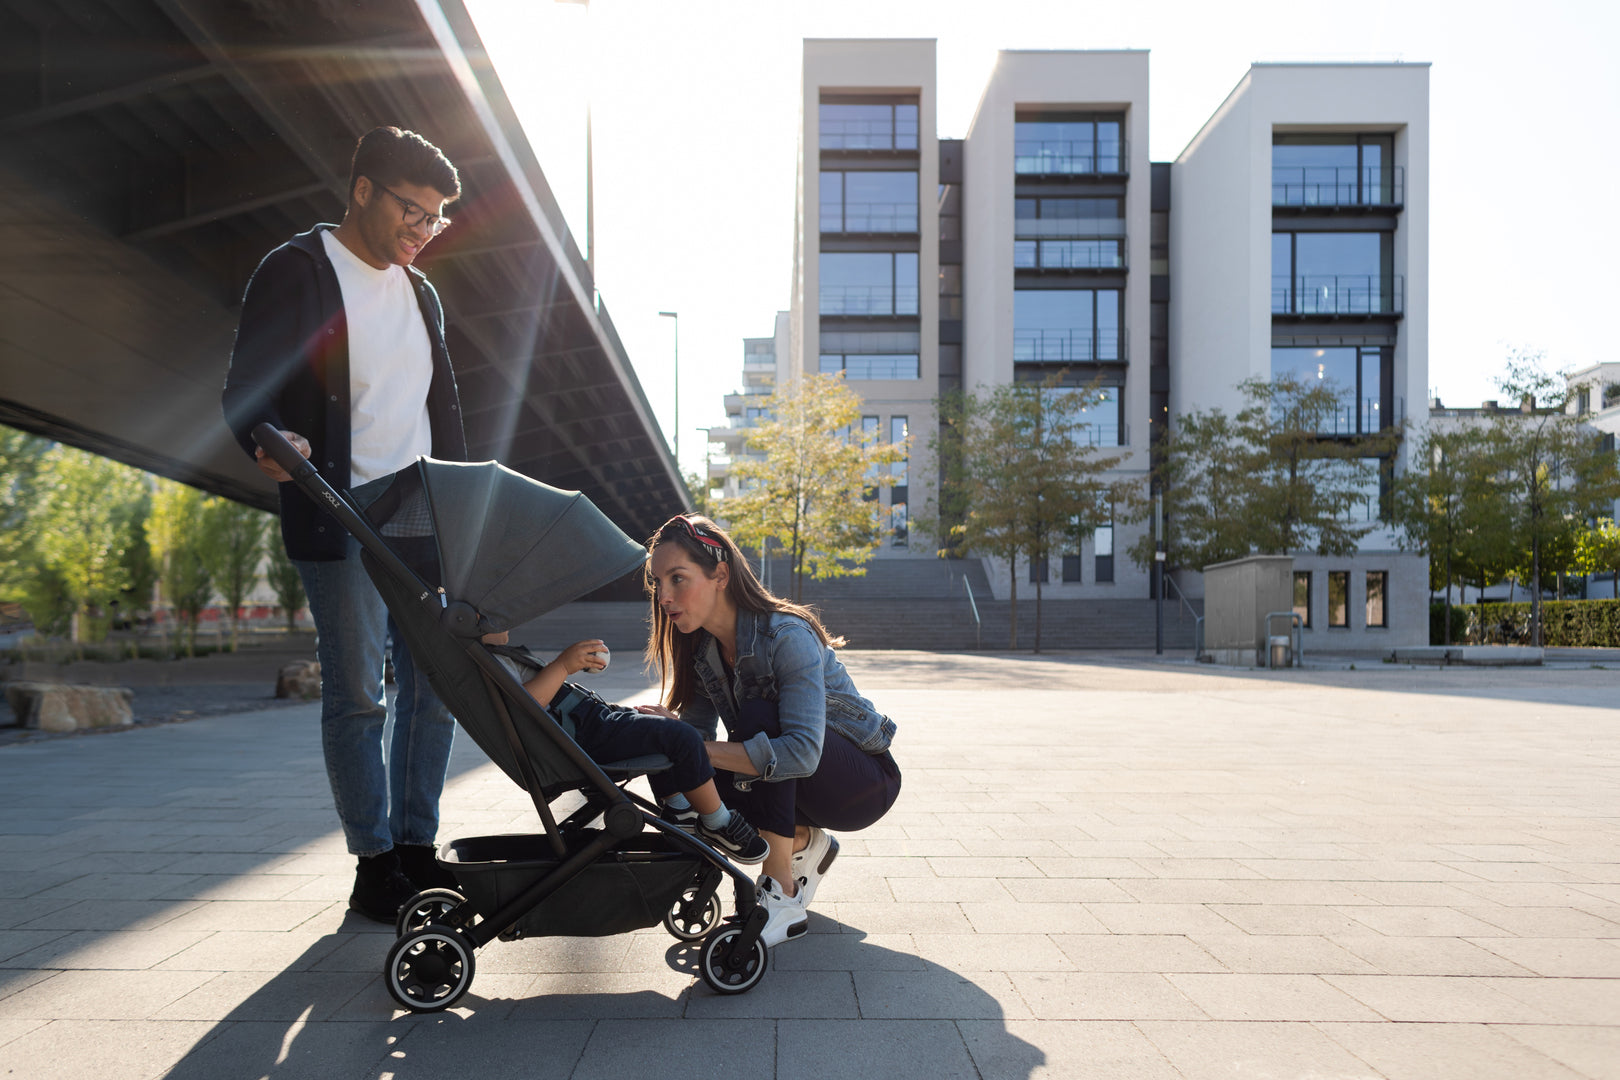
1363, 417
1339, 294
1053, 157
1331, 186
1026, 228
1069, 254
870, 217
868, 300
1078, 346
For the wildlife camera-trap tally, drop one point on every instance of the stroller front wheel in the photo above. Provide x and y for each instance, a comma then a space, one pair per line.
429, 969
728, 969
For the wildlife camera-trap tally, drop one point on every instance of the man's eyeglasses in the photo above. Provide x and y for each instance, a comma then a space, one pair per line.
416, 215
697, 532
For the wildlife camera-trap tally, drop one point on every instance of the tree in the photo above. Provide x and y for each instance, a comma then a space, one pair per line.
1021, 475
1599, 550
284, 579
808, 492
235, 535
176, 532
1554, 466
83, 531
1449, 505
1274, 479
698, 486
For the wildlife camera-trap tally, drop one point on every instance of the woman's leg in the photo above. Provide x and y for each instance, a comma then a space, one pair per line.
850, 789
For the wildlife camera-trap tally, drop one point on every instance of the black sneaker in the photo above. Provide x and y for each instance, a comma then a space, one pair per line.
686, 818
420, 863
737, 838
380, 890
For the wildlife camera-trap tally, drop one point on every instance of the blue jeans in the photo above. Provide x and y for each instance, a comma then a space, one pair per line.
381, 800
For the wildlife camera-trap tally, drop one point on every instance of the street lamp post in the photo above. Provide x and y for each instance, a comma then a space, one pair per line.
676, 316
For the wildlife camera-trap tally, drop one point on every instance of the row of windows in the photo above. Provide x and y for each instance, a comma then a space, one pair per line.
1332, 273
1102, 555
1356, 373
1334, 170
1375, 608
868, 202
868, 126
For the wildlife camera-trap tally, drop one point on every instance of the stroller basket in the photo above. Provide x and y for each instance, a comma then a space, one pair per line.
628, 888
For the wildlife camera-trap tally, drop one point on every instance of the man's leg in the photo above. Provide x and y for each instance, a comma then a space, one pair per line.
419, 752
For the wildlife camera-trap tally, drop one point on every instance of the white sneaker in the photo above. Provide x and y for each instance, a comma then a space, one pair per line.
787, 917
810, 864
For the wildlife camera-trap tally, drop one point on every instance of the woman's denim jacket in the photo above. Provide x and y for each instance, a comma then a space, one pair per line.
780, 659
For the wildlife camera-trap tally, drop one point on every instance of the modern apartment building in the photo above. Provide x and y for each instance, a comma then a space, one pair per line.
1290, 235
745, 408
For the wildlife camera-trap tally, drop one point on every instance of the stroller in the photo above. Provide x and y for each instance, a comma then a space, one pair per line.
461, 550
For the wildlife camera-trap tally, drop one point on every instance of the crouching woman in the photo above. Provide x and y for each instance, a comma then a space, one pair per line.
805, 755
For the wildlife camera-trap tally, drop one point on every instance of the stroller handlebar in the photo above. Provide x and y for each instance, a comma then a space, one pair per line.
282, 452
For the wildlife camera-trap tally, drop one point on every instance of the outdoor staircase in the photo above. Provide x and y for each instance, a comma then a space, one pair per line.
903, 604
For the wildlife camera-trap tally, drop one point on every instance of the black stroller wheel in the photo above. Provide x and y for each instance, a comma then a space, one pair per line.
429, 905
429, 969
686, 922
728, 969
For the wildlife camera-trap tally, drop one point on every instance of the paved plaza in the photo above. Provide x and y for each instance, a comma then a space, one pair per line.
1097, 868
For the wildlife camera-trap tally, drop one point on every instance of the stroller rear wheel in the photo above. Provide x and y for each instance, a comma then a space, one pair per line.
728, 969
689, 922
429, 905
429, 969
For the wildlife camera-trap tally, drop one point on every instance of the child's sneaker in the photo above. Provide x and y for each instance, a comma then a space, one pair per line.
787, 918
736, 838
686, 818
812, 862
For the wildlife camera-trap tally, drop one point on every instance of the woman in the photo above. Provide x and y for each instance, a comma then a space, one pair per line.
805, 751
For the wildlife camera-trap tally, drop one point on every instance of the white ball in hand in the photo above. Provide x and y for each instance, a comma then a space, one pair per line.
602, 655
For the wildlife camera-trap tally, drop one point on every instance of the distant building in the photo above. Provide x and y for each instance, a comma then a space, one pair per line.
761, 357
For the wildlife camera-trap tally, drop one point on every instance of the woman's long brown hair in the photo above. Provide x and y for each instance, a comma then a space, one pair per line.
671, 651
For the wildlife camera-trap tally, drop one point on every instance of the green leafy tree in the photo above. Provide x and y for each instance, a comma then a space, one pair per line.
807, 490
176, 530
235, 533
83, 532
1449, 505
1272, 480
284, 579
1555, 469
1022, 475
21, 457
698, 486
1598, 551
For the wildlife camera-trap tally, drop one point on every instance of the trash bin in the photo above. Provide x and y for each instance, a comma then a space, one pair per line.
1279, 651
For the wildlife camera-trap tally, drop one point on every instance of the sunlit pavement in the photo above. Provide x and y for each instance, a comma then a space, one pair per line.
1098, 867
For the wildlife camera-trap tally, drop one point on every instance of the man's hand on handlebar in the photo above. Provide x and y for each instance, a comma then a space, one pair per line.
267, 464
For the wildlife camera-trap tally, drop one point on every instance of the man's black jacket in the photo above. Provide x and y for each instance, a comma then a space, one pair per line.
290, 367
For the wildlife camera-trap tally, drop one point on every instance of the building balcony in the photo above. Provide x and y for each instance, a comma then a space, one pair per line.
1335, 296
1308, 187
1363, 417
734, 404
870, 218
1069, 255
1081, 345
880, 301
1050, 157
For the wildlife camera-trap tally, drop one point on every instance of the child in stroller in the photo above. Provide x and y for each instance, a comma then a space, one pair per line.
614, 733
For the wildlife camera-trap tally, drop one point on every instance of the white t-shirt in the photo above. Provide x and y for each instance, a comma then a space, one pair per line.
390, 365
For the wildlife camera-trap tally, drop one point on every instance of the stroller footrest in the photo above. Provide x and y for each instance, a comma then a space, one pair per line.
644, 765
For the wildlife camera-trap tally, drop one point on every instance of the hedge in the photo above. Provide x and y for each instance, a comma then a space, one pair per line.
1564, 623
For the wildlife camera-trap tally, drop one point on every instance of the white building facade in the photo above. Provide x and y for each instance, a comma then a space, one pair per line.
1291, 234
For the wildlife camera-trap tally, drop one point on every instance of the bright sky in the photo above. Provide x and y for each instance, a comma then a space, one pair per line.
695, 107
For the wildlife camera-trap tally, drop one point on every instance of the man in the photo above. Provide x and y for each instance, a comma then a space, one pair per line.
341, 347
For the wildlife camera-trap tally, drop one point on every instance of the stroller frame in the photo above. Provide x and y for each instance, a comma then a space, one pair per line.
502, 880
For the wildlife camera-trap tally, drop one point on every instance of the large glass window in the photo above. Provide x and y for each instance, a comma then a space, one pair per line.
1356, 373
868, 283
1377, 591
869, 202
870, 355
1102, 544
1338, 598
897, 436
1334, 170
1332, 273
1068, 144
1066, 326
858, 126
1302, 596
1068, 234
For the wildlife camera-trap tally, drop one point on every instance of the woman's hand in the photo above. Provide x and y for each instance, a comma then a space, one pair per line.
658, 710
583, 656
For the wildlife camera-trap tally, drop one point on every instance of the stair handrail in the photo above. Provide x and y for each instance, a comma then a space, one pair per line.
1198, 620
978, 627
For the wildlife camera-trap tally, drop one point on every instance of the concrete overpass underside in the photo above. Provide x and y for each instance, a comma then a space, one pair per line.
152, 151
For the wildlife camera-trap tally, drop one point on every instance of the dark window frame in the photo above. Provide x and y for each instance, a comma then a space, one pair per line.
1383, 600
1307, 577
1338, 577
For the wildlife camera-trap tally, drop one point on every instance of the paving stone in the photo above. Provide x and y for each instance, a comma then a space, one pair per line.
522, 1050
992, 952
1566, 1001
1093, 996
130, 950
1269, 997
1533, 922
102, 995
266, 995
849, 952
1135, 952
1160, 918
790, 994
1015, 918
1590, 1051
1282, 954
1419, 921
1063, 1050
1569, 957
291, 1051
1253, 1051
1440, 1000
76, 1049
1428, 956
707, 1048
1444, 1051
859, 1050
